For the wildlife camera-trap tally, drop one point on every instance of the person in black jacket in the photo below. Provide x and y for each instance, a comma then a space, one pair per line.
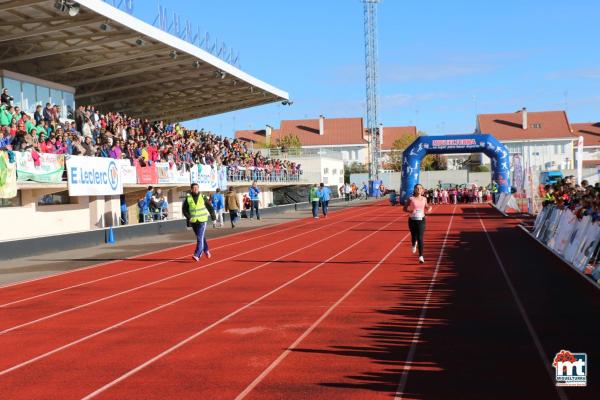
198, 226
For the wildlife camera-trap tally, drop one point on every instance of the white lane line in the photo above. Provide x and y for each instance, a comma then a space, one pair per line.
307, 332
133, 258
163, 279
137, 269
225, 318
413, 345
180, 299
534, 336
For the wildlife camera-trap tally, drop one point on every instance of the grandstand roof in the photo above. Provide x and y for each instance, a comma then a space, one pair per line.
119, 63
590, 132
540, 125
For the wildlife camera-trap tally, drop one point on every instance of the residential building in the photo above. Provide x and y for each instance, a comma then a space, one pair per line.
545, 140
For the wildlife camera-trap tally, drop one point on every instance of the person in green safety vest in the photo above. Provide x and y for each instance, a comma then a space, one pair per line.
313, 198
197, 210
494, 192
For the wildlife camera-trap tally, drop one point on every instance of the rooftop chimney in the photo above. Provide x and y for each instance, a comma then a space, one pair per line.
268, 133
321, 125
524, 115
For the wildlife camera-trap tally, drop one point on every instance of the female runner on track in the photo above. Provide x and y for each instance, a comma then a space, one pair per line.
417, 206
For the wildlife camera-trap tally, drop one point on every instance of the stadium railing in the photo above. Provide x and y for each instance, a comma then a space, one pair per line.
575, 240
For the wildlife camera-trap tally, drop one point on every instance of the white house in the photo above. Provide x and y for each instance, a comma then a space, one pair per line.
544, 139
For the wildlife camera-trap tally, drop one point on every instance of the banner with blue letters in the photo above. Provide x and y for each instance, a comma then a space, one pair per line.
93, 176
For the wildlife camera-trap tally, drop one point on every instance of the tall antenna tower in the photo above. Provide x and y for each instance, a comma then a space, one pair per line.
371, 61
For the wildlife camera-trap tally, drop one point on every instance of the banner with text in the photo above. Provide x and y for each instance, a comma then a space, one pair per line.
146, 175
93, 176
206, 176
128, 172
40, 167
168, 173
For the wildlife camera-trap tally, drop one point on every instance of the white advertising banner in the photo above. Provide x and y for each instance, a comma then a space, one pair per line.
168, 173
206, 177
128, 172
93, 176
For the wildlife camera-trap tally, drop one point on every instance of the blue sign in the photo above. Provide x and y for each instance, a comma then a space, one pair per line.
451, 144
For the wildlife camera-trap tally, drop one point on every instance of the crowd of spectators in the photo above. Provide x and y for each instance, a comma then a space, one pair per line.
116, 135
582, 199
455, 195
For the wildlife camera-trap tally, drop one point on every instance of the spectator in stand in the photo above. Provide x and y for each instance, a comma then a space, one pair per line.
6, 98
232, 206
255, 201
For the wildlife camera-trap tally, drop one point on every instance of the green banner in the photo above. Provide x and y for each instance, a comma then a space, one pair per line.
48, 168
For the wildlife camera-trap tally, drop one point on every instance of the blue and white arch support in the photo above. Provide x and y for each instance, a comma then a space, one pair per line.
452, 144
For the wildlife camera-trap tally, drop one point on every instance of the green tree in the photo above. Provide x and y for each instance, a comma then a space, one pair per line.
434, 162
481, 168
288, 141
398, 147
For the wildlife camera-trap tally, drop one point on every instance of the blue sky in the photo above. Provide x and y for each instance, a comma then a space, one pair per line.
441, 62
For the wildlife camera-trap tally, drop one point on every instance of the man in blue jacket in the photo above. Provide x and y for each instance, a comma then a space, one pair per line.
253, 192
324, 196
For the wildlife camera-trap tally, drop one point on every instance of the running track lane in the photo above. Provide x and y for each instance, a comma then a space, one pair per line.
43, 286
258, 334
63, 329
39, 308
205, 307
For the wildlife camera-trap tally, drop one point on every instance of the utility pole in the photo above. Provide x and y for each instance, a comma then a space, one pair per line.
371, 61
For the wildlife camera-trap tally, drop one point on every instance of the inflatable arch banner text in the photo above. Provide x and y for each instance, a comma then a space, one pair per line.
452, 144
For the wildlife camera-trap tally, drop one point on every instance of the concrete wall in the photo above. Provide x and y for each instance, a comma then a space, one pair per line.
317, 169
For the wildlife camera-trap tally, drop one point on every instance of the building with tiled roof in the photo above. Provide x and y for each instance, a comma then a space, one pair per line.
591, 142
347, 136
543, 139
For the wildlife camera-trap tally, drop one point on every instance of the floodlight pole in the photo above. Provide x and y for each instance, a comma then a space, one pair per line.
371, 61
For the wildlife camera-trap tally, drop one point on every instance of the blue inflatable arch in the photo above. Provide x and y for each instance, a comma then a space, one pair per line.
451, 144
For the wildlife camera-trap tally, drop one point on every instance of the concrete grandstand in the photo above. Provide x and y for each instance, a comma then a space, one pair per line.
90, 53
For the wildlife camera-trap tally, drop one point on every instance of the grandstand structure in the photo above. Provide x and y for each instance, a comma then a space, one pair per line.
90, 53
118, 62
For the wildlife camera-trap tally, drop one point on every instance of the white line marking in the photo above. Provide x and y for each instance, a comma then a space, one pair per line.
536, 340
307, 332
413, 345
225, 318
137, 269
132, 258
138, 316
163, 279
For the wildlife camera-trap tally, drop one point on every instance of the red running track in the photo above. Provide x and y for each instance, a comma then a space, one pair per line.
331, 309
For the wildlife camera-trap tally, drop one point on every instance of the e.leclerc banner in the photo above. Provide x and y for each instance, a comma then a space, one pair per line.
93, 176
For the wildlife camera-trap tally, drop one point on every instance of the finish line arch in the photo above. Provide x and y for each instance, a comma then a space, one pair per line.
452, 144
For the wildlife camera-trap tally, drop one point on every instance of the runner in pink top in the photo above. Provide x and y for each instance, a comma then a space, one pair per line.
417, 207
